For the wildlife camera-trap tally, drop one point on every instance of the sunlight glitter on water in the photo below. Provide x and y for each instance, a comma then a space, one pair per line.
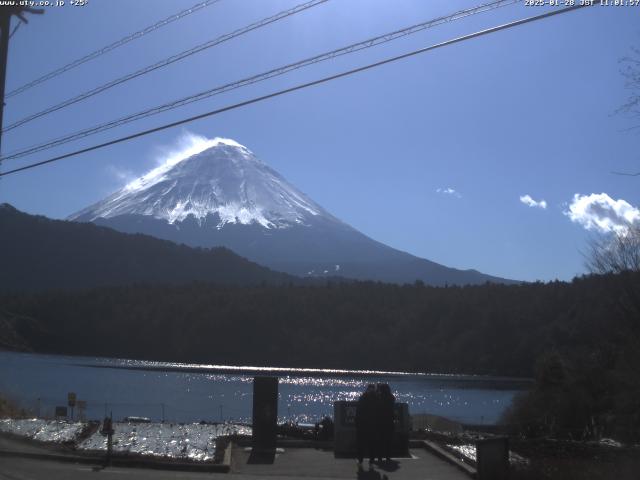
128, 363
322, 382
188, 394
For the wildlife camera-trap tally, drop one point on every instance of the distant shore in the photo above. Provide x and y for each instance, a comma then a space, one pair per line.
487, 380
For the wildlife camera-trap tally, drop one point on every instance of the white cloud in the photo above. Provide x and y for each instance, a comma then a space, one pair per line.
530, 202
448, 191
123, 175
600, 212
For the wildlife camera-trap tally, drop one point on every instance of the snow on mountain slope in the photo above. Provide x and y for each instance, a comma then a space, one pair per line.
217, 176
218, 193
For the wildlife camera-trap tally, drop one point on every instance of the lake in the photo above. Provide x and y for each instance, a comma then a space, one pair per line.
189, 392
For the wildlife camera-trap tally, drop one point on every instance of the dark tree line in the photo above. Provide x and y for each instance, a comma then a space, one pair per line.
489, 329
37, 253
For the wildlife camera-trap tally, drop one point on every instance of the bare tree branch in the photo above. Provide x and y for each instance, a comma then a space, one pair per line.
617, 253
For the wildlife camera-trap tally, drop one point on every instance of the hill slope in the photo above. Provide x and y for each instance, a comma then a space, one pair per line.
38, 253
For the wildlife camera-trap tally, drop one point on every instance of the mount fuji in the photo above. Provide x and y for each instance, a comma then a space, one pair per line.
218, 193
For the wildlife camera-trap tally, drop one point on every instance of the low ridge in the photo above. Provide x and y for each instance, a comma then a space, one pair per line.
37, 253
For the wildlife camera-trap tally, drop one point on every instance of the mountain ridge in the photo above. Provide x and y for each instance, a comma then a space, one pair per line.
220, 194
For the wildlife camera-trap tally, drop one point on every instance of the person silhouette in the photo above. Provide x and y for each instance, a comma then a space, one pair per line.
384, 421
366, 424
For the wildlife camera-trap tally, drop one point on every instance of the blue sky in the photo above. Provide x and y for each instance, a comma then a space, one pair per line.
430, 155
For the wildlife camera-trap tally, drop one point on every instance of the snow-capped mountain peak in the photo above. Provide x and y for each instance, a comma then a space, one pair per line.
211, 177
213, 193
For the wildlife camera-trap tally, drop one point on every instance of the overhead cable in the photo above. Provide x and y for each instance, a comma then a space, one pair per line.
110, 47
163, 63
301, 86
371, 42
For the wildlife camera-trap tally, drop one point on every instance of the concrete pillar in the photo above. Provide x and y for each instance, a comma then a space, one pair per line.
265, 413
492, 457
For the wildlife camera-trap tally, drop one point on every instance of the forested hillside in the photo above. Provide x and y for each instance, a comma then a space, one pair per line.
37, 253
490, 329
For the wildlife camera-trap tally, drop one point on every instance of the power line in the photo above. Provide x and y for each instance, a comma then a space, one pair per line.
112, 46
167, 61
13, 32
627, 174
302, 86
6, 14
371, 42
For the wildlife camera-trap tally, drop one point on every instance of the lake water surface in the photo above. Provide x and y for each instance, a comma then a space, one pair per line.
188, 392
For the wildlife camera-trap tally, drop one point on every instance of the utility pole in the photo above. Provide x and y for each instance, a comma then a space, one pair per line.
5, 25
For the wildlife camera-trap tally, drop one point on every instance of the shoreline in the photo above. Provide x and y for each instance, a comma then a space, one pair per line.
492, 381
